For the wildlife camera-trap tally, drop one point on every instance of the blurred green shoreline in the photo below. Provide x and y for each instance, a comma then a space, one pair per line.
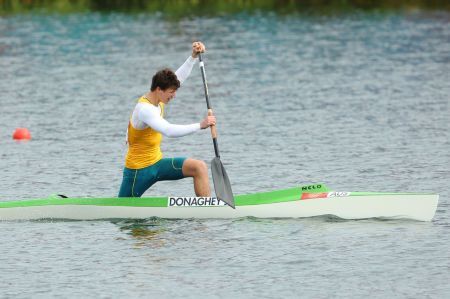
178, 8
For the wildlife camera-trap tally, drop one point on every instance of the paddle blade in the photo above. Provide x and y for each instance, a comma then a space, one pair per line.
222, 184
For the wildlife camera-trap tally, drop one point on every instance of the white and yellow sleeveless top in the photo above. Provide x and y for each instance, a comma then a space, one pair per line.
143, 144
145, 130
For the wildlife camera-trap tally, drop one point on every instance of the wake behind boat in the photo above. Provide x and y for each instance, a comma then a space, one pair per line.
306, 201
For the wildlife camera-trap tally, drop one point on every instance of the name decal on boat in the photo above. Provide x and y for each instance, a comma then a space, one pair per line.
195, 202
324, 195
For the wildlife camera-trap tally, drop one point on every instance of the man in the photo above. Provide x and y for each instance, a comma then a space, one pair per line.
144, 163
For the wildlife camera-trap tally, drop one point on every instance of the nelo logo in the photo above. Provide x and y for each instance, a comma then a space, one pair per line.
311, 187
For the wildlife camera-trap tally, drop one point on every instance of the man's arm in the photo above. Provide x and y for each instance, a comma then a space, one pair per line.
185, 69
150, 116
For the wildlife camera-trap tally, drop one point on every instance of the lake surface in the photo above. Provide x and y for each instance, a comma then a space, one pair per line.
359, 102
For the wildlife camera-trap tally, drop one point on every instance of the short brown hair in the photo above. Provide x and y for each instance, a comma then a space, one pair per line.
164, 79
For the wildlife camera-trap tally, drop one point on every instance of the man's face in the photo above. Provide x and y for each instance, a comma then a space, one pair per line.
167, 95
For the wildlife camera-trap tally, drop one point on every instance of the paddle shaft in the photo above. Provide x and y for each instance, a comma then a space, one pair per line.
208, 105
222, 184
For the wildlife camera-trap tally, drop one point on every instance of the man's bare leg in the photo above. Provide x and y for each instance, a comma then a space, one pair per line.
199, 171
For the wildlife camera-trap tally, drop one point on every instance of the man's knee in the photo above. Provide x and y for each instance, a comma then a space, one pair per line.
202, 168
195, 168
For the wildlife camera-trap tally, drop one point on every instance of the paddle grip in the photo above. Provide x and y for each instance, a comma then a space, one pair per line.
213, 127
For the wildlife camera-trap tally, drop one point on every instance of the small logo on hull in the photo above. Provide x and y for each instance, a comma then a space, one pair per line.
338, 194
311, 187
324, 195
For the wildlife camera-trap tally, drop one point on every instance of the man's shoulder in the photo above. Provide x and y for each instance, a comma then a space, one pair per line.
147, 107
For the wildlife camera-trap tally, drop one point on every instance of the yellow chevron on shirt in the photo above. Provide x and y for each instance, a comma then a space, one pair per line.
143, 145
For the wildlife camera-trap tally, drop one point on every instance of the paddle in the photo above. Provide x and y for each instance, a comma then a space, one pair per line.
222, 184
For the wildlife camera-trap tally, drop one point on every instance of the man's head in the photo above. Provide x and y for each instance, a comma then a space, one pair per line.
165, 79
165, 83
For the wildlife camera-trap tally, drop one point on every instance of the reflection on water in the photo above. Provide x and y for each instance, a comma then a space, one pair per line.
147, 232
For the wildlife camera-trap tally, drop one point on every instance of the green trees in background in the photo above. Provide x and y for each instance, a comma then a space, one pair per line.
186, 7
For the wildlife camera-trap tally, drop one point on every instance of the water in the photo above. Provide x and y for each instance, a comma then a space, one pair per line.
358, 102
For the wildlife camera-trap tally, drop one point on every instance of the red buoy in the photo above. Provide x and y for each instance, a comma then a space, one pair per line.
21, 134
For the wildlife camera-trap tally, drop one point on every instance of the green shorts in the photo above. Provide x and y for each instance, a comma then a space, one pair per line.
136, 181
